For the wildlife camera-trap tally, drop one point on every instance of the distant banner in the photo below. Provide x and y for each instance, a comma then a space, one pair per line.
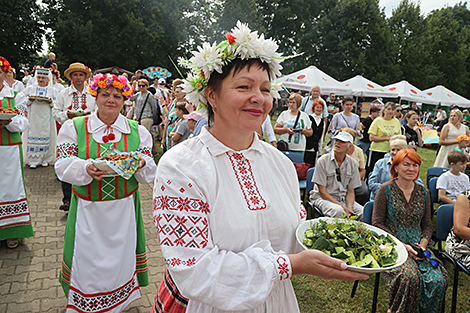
156, 72
429, 136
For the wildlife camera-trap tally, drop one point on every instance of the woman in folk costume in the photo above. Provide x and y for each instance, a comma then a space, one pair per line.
15, 221
104, 260
226, 220
41, 136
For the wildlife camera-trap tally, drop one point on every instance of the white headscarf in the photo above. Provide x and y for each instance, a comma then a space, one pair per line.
42, 71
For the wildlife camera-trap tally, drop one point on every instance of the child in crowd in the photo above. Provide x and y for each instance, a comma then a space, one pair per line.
452, 183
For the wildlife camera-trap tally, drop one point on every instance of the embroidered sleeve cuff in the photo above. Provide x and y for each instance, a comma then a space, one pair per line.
284, 269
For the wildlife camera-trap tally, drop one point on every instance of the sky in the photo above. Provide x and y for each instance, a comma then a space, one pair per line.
426, 5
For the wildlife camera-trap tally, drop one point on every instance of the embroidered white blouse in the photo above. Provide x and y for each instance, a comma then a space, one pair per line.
65, 101
226, 220
19, 123
70, 168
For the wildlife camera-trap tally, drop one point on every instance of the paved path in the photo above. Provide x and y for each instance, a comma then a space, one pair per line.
29, 274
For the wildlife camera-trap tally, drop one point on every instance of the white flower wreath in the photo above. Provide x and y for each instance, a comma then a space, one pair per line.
241, 43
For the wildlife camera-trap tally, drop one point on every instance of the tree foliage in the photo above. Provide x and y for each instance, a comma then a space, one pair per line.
342, 37
21, 31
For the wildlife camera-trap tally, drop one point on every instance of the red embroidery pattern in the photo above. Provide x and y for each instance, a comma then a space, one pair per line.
145, 150
242, 169
303, 212
101, 302
283, 267
66, 150
13, 209
75, 102
184, 231
177, 262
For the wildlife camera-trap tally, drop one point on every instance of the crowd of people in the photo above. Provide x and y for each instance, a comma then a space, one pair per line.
226, 203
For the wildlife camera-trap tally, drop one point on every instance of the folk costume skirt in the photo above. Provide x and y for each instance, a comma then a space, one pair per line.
104, 259
15, 220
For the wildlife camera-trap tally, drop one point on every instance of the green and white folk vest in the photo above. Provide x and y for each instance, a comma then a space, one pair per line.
9, 138
110, 188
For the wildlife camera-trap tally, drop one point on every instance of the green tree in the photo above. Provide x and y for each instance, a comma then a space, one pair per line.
128, 33
412, 43
21, 31
449, 49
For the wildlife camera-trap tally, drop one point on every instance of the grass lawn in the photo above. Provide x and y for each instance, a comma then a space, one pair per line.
318, 295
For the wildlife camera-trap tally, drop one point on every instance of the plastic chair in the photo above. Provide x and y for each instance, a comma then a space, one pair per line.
433, 190
445, 221
295, 157
309, 188
367, 218
435, 172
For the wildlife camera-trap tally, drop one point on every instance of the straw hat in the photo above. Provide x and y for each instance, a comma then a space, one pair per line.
77, 67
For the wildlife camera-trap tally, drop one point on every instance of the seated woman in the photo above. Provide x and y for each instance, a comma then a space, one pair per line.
381, 172
104, 257
412, 131
458, 240
403, 209
226, 219
294, 126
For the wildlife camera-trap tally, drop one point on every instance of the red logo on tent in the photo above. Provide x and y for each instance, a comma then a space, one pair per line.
300, 76
450, 96
369, 85
413, 91
323, 78
347, 85
392, 89
429, 93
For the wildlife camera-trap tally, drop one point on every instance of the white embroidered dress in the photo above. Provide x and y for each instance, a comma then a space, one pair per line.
226, 220
14, 211
41, 137
105, 231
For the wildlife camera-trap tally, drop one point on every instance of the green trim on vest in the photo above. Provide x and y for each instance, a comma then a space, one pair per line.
110, 188
9, 138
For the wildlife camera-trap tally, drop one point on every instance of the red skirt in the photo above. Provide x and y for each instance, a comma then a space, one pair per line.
168, 298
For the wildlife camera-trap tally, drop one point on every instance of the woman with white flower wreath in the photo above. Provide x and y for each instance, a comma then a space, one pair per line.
226, 220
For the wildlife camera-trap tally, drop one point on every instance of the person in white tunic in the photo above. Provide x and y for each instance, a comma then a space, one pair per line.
10, 81
15, 220
226, 204
56, 80
104, 259
41, 136
71, 100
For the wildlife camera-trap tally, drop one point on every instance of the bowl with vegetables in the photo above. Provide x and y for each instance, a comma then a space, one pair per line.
363, 247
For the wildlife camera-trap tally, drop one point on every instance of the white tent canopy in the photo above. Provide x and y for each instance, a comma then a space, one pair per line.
407, 91
311, 76
362, 87
446, 97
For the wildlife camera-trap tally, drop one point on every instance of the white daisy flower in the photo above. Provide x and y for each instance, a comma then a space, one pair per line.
207, 59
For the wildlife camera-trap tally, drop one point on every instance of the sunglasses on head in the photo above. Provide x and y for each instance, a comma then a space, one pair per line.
141, 85
399, 110
338, 174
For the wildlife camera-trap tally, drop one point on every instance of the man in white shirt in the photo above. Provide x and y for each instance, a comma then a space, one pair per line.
336, 176
454, 182
71, 102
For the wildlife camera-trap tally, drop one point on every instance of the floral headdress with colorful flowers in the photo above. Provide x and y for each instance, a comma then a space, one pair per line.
5, 64
241, 43
110, 80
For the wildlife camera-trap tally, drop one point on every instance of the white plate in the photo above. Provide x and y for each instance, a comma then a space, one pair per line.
7, 116
401, 250
40, 98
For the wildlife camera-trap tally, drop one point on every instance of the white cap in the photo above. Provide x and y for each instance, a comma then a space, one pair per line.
161, 81
345, 137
